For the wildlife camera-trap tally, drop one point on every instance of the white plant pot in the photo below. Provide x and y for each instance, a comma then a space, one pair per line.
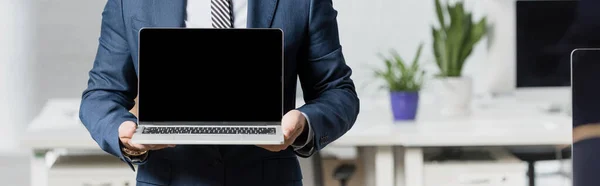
453, 95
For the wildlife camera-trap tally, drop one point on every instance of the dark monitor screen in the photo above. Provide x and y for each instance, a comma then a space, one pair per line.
541, 26
585, 87
223, 75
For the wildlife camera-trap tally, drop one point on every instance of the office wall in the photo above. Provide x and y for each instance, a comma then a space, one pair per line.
374, 26
66, 42
499, 69
46, 49
16, 88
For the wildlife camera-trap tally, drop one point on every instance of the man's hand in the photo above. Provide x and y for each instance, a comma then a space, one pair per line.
126, 131
292, 124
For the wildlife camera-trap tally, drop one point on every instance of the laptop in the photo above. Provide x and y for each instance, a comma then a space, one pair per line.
210, 86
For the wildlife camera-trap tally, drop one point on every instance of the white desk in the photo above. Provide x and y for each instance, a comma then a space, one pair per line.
505, 124
57, 128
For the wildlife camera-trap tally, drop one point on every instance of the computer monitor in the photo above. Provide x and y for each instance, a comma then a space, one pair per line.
542, 56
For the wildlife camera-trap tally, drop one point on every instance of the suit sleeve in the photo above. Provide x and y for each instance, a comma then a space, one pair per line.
331, 100
112, 84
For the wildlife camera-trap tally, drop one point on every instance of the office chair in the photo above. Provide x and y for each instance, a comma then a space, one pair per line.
343, 173
534, 154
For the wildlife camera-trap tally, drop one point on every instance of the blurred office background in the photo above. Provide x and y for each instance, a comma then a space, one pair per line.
47, 48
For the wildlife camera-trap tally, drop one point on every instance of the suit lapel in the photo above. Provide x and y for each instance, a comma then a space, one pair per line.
164, 13
260, 13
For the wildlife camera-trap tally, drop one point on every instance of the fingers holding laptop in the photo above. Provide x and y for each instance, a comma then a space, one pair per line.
292, 125
126, 131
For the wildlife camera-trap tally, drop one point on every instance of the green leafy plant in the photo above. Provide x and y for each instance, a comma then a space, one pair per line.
453, 42
399, 76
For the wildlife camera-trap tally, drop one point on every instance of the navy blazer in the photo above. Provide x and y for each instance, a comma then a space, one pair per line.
312, 52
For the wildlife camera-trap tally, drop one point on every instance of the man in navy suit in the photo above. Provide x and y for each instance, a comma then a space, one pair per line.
312, 51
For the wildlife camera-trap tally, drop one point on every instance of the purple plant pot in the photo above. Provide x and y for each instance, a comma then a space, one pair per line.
404, 105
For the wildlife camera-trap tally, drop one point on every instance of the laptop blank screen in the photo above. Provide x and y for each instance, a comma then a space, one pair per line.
222, 75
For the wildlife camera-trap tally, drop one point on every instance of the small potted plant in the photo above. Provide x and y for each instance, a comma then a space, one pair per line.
454, 39
404, 83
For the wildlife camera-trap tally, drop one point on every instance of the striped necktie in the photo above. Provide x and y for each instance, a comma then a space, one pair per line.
221, 14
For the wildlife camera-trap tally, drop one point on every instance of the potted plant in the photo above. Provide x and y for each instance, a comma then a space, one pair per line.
403, 82
453, 42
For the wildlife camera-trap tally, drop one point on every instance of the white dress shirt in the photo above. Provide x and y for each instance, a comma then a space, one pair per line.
199, 16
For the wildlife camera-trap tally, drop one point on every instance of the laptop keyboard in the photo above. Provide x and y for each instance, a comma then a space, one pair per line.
209, 130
